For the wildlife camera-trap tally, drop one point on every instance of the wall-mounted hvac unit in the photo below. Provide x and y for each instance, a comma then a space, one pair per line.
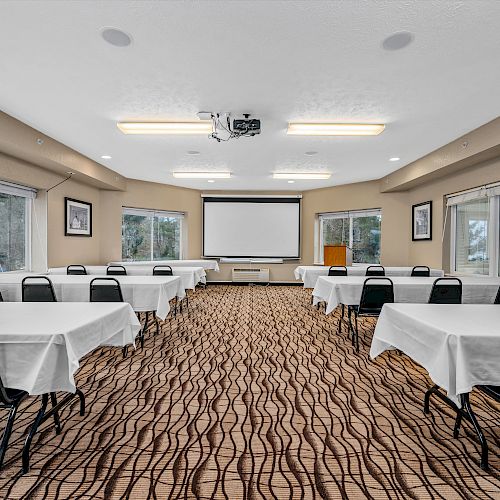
251, 275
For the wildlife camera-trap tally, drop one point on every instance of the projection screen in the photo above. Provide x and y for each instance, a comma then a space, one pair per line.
251, 227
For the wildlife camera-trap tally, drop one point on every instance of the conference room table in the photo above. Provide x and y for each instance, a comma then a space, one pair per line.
458, 345
310, 274
143, 293
336, 290
190, 276
41, 345
208, 265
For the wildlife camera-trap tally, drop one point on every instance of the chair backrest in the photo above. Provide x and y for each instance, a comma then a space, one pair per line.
108, 290
37, 289
497, 298
446, 291
423, 271
76, 270
375, 271
377, 291
337, 271
162, 271
116, 271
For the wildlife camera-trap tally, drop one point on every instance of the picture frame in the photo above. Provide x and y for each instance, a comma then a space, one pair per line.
421, 221
77, 218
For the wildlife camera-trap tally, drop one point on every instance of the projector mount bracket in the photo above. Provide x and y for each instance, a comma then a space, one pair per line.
223, 130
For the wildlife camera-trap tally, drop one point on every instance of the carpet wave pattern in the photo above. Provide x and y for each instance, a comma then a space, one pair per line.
253, 395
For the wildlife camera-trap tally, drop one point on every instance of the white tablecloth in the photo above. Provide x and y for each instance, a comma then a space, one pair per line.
208, 265
143, 293
459, 345
41, 343
190, 276
335, 290
310, 274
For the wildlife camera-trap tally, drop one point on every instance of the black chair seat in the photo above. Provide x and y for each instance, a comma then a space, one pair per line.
15, 395
493, 391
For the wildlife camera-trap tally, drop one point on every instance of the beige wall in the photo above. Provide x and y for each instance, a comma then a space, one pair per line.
105, 244
434, 253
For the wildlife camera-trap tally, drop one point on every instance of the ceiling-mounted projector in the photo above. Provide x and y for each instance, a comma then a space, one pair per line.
224, 131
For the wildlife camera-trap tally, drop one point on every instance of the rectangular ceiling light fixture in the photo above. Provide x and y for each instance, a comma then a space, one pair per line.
197, 127
202, 175
295, 128
302, 176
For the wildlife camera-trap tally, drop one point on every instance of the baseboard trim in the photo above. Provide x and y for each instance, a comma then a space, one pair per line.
253, 283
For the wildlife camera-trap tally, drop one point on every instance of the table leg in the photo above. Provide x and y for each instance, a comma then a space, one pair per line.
467, 411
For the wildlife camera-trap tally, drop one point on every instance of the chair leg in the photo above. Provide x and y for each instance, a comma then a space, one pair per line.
357, 332
427, 397
82, 402
157, 326
57, 421
124, 351
484, 445
341, 319
32, 432
458, 421
6, 434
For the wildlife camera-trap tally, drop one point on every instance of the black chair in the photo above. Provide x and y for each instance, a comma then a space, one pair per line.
448, 293
162, 271
10, 399
37, 289
116, 271
338, 271
497, 298
76, 270
375, 271
1, 298
376, 292
423, 271
109, 290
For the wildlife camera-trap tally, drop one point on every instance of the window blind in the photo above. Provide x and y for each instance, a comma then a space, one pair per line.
152, 213
17, 190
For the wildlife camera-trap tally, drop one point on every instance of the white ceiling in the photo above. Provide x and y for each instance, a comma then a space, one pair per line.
279, 60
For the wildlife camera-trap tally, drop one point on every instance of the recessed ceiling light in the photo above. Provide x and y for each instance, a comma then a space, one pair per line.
398, 40
304, 175
295, 128
201, 175
193, 153
311, 153
395, 158
210, 180
116, 37
290, 182
199, 127
106, 157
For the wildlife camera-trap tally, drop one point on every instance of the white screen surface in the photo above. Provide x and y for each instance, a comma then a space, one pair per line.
251, 229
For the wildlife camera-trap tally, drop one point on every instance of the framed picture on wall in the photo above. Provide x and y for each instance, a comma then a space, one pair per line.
422, 221
78, 218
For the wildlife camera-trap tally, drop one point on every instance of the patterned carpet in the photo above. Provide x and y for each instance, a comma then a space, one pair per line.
254, 396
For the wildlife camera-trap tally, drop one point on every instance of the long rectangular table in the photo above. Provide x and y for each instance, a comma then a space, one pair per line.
310, 274
190, 276
41, 345
459, 345
208, 265
335, 290
143, 293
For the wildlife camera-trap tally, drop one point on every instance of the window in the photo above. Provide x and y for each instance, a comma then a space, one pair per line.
15, 219
359, 230
151, 234
475, 236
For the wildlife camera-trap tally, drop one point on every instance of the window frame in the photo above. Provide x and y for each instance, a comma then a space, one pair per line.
493, 235
29, 194
151, 214
351, 215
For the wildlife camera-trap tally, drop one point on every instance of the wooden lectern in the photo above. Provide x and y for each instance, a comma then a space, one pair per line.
337, 255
